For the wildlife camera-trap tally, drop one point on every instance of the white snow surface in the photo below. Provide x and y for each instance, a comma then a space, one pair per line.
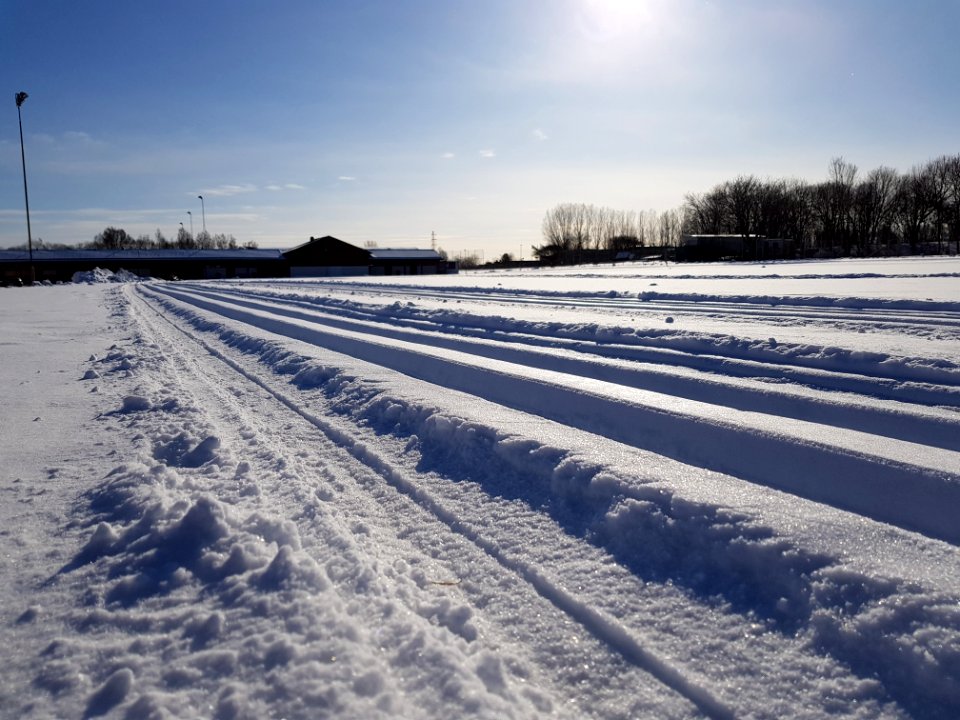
101, 275
641, 491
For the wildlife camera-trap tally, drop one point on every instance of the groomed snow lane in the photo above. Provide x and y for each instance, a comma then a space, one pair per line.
912, 485
648, 556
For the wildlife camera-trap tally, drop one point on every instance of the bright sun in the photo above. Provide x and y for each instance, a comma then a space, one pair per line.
608, 19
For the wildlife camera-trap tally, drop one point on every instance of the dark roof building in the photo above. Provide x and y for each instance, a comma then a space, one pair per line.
327, 256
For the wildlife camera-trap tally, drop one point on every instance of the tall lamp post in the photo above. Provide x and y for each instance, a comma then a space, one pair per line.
203, 210
21, 96
191, 222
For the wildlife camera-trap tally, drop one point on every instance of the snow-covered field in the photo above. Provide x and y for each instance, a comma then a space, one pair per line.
645, 491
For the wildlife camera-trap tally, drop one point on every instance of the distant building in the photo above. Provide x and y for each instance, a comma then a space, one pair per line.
705, 248
319, 257
60, 265
328, 256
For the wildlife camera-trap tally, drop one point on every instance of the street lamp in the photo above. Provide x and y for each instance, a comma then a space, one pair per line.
203, 210
21, 96
191, 222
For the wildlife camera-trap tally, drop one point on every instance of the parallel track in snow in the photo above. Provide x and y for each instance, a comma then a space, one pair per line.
649, 580
837, 457
776, 308
744, 384
934, 382
344, 440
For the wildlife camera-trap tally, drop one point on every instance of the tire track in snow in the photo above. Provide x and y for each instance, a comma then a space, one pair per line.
829, 310
596, 622
280, 356
924, 381
909, 485
335, 542
611, 362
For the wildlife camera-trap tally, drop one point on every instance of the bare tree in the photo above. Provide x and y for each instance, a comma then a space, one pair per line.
468, 260
832, 203
874, 202
622, 231
596, 220
642, 237
652, 224
800, 218
953, 196
671, 224
557, 227
914, 205
112, 239
185, 241
580, 226
711, 212
743, 204
938, 178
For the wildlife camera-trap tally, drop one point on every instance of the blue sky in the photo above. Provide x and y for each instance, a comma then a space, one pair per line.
386, 120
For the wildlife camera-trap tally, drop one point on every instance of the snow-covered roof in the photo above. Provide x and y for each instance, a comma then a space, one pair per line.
403, 254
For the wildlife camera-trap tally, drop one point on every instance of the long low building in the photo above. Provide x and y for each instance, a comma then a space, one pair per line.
318, 257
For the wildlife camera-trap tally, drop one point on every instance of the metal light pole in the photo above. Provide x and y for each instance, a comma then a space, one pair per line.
21, 96
203, 210
191, 222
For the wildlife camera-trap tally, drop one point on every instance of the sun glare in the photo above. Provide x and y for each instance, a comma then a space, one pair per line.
617, 37
605, 20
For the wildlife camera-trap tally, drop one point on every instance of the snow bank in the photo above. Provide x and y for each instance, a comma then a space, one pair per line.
100, 275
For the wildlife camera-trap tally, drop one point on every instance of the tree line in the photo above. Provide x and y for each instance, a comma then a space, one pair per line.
113, 238
850, 213
119, 239
575, 232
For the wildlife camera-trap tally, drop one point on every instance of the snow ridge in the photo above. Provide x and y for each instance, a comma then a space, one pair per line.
896, 483
711, 549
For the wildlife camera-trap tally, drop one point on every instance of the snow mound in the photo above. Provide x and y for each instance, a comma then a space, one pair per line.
101, 275
134, 403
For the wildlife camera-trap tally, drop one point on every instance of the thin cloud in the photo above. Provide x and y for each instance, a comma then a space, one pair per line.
77, 137
487, 154
539, 134
67, 139
229, 190
346, 178
125, 215
448, 155
294, 186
